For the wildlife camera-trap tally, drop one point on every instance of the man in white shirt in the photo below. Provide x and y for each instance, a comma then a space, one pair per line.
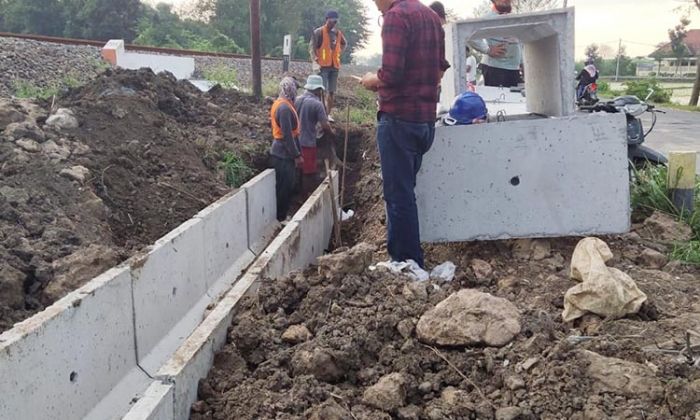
471, 67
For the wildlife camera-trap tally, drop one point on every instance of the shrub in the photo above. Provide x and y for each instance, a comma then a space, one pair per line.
640, 89
226, 76
235, 170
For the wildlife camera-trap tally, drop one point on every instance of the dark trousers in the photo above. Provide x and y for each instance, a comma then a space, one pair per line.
402, 145
286, 176
493, 76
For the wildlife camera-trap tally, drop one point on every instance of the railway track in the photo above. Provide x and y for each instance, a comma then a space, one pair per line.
132, 47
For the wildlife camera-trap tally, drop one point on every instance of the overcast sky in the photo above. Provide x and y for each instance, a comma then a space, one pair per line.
641, 24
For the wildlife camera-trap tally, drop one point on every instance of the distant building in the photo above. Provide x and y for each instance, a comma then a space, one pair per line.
668, 66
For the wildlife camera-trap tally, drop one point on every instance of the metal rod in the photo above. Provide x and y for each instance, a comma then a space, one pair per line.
334, 206
345, 159
255, 47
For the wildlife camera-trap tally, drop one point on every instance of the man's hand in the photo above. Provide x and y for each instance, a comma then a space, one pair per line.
299, 161
370, 81
497, 51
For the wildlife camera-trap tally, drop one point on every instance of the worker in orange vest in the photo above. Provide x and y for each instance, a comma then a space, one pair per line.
285, 154
326, 47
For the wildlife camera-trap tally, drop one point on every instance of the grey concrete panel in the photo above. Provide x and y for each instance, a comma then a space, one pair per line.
262, 210
548, 56
169, 286
226, 252
60, 363
530, 178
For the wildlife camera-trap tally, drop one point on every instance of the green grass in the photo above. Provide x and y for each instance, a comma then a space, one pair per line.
27, 90
236, 171
226, 76
650, 193
365, 109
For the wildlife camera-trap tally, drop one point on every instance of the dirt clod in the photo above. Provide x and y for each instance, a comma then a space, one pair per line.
388, 394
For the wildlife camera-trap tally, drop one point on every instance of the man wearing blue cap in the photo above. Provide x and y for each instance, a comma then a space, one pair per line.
327, 45
312, 115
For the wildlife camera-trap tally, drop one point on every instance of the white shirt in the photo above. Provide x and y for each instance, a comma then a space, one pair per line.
471, 74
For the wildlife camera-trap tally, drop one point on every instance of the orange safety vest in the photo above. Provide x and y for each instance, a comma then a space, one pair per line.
277, 133
326, 56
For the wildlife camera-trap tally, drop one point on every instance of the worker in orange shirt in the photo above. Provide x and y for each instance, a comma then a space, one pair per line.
326, 47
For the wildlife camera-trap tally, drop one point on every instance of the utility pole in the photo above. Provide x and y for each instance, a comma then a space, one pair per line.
255, 47
619, 52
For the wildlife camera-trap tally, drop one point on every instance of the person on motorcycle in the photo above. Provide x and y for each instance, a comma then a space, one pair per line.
588, 75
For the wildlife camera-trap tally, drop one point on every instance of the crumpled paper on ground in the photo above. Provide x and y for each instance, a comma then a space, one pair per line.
604, 291
444, 272
409, 267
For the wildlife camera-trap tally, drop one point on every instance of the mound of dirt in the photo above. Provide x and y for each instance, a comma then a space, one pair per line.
113, 166
360, 357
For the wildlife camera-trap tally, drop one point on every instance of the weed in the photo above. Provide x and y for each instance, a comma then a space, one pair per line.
270, 88
27, 90
226, 76
235, 170
650, 192
365, 109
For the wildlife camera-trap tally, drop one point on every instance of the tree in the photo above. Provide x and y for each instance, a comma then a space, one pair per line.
232, 18
677, 36
42, 17
593, 54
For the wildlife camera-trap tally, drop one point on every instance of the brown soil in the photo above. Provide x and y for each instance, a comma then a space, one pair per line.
362, 328
151, 145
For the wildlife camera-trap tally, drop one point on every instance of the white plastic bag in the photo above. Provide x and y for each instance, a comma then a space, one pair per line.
444, 272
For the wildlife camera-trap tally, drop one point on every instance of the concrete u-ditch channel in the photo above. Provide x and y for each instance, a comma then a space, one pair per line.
134, 342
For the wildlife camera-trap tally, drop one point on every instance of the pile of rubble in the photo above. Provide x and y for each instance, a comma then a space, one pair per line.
106, 169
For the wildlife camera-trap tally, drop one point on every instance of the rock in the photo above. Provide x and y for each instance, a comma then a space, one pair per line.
63, 119
652, 259
388, 394
425, 387
14, 195
352, 261
329, 410
481, 269
405, 328
296, 334
9, 115
513, 413
319, 363
457, 400
415, 291
76, 173
662, 227
470, 317
78, 268
621, 377
28, 145
535, 249
529, 363
24, 129
410, 412
508, 283
514, 382
683, 399
54, 151
11, 287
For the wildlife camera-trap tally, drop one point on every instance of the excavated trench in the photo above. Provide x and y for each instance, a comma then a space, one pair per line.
339, 341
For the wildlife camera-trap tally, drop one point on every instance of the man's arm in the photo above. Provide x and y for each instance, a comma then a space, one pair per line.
315, 44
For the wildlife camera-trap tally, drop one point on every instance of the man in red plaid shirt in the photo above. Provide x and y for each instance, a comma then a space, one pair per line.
413, 45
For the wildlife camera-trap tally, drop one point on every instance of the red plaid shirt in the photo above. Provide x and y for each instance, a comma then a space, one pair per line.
413, 57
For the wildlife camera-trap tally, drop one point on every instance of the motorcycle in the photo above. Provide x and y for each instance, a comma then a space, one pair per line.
633, 108
589, 96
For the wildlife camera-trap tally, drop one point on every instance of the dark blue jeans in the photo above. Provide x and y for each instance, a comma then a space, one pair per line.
402, 145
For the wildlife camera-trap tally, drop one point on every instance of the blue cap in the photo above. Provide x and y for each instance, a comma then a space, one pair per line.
331, 14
